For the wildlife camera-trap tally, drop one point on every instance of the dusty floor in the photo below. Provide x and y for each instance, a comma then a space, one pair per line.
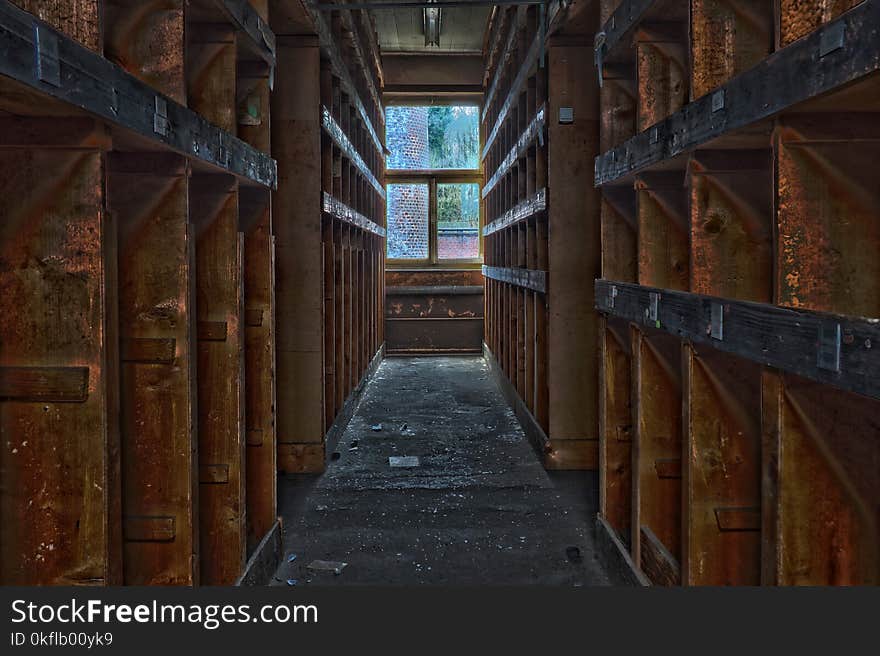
478, 509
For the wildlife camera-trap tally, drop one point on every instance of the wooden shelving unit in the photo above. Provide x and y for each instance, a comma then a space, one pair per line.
137, 234
738, 425
331, 245
541, 233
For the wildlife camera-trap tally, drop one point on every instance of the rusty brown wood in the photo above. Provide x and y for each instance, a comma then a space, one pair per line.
259, 331
662, 208
211, 73
59, 478
147, 39
615, 427
149, 195
78, 19
721, 397
214, 213
296, 144
657, 446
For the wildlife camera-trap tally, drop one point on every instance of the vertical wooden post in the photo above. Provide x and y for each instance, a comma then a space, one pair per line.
661, 55
59, 478
296, 145
255, 214
656, 521
722, 470
221, 403
148, 194
573, 257
615, 427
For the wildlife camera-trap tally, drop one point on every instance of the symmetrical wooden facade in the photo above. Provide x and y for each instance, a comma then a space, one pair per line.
739, 433
541, 238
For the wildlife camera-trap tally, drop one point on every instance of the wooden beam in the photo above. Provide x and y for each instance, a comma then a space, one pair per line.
342, 212
259, 331
88, 82
149, 195
763, 91
525, 278
521, 212
832, 349
534, 132
59, 467
221, 401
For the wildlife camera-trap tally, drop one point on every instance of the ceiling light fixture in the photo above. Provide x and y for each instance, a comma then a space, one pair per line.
431, 19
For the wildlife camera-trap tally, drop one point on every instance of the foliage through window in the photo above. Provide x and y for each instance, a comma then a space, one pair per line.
435, 137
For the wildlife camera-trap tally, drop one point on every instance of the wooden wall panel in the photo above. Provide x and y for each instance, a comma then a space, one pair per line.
221, 402
296, 144
157, 322
59, 499
259, 331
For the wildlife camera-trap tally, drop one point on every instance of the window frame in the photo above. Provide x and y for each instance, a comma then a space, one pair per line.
433, 177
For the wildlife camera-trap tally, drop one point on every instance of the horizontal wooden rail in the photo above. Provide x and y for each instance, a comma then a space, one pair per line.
521, 212
55, 65
535, 130
339, 210
333, 129
331, 50
840, 52
431, 290
242, 15
525, 278
44, 384
831, 349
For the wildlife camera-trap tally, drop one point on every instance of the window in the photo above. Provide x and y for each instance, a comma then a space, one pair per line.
433, 173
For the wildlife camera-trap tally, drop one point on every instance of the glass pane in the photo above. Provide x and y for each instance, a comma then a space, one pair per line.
408, 221
440, 137
458, 221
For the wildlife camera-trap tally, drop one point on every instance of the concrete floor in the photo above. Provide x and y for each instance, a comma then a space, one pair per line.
478, 509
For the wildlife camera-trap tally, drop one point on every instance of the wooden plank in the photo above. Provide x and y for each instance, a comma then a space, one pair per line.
746, 29
821, 488
44, 384
663, 227
159, 417
826, 195
763, 91
615, 427
799, 18
339, 210
91, 83
799, 341
656, 404
520, 213
525, 278
657, 562
662, 71
296, 142
214, 211
59, 494
731, 208
211, 78
722, 473
147, 39
340, 138
573, 251
620, 26
329, 308
250, 19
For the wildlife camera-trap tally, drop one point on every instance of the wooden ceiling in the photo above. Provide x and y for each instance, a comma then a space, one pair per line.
461, 30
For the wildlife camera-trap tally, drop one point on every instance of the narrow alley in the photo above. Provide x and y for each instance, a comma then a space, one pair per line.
476, 508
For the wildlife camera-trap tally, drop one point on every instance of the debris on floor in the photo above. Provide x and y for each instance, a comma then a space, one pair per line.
403, 461
334, 566
376, 428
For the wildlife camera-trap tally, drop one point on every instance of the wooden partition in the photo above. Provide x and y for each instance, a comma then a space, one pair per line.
755, 255
138, 232
330, 234
540, 131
